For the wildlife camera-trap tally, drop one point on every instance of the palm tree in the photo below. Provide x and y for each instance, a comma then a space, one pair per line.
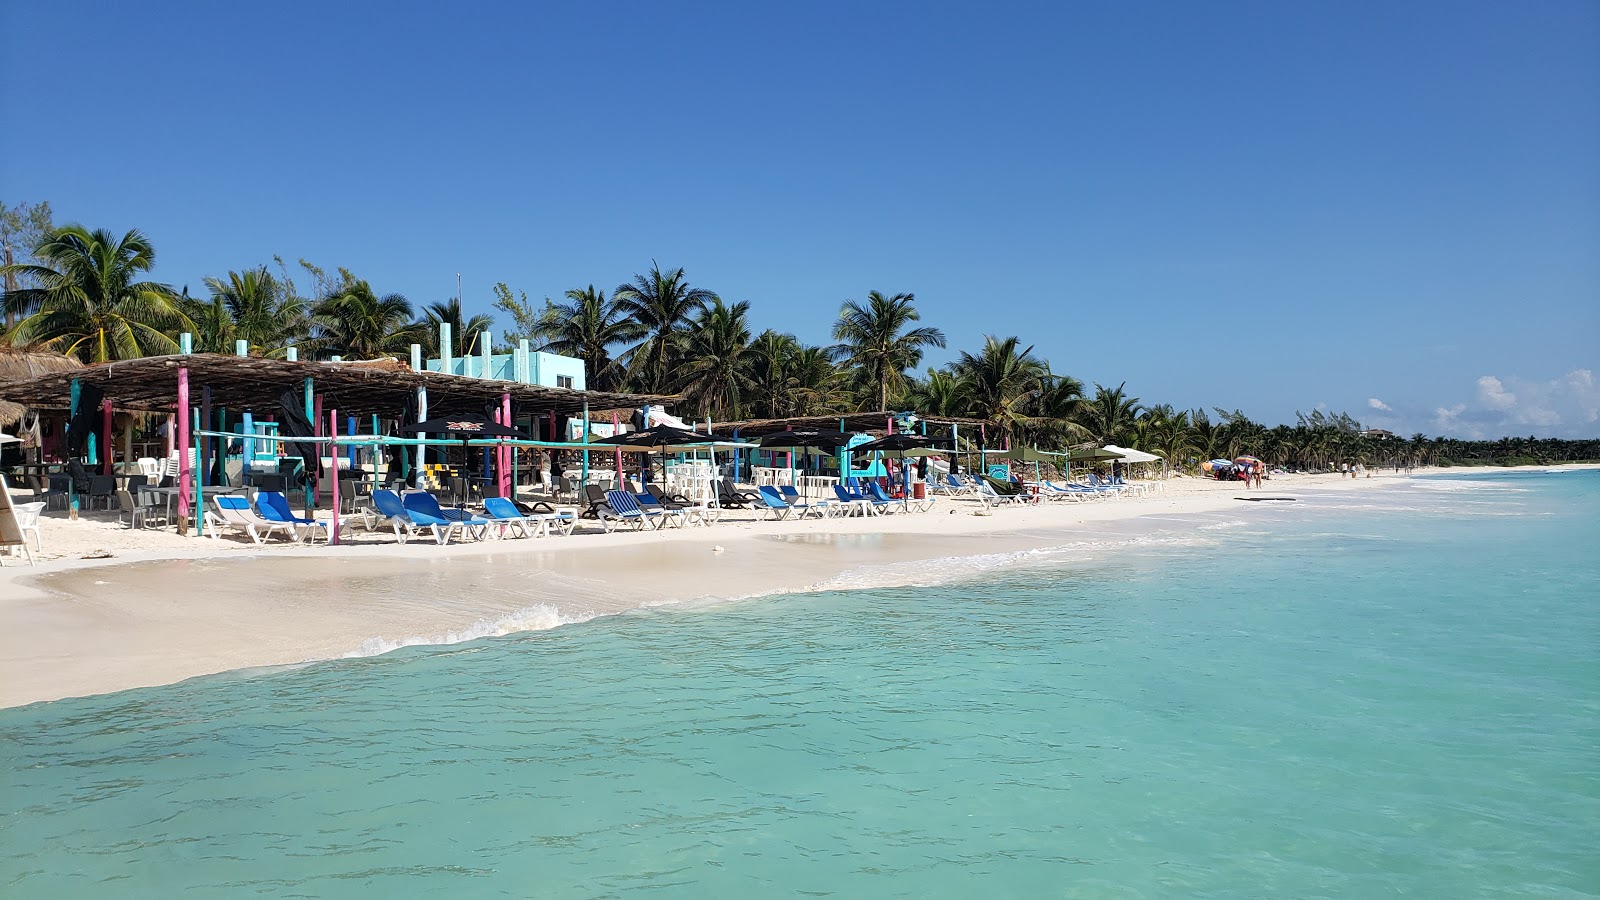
873, 339
939, 393
815, 386
88, 303
715, 369
464, 333
661, 304
587, 326
771, 358
354, 321
213, 324
1055, 411
1002, 383
1109, 417
259, 308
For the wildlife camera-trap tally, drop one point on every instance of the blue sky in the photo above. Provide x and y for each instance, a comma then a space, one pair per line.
1266, 206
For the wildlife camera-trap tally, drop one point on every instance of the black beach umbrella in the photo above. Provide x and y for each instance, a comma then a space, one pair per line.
652, 439
902, 441
465, 427
656, 437
822, 440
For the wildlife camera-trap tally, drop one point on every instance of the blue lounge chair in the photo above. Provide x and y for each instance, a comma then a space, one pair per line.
823, 508
772, 503
407, 523
233, 510
274, 507
1068, 491
621, 506
504, 513
956, 486
654, 507
881, 500
428, 505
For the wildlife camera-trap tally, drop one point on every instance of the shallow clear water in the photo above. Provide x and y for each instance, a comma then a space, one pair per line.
1384, 694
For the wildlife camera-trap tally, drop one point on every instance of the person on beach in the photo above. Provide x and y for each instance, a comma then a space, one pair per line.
544, 471
1257, 472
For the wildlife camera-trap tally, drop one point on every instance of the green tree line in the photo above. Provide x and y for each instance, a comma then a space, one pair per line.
85, 293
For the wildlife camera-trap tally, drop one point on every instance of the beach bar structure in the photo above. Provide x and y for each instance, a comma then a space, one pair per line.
876, 424
312, 403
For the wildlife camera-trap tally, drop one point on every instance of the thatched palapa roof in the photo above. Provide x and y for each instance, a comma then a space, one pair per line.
380, 387
24, 365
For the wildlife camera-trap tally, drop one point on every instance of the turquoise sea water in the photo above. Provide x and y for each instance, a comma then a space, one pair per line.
1389, 693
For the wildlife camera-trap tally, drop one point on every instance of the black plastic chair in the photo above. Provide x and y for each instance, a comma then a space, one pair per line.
102, 487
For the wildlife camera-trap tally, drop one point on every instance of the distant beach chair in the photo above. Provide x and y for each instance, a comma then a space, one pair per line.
233, 511
1075, 493
881, 500
428, 505
822, 508
564, 520
274, 507
734, 499
677, 515
771, 502
993, 492
704, 513
956, 486
406, 523
504, 513
621, 506
595, 496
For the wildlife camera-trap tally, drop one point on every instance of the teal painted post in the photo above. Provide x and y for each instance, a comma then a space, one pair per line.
247, 426
311, 416
586, 442
200, 487
376, 449
72, 484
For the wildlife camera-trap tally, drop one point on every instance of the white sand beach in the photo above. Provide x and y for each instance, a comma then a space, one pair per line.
110, 608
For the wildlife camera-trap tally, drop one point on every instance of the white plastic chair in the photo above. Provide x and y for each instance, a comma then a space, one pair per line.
28, 520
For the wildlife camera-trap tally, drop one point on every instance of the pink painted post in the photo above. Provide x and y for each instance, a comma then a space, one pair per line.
105, 434
333, 469
507, 489
891, 424
185, 485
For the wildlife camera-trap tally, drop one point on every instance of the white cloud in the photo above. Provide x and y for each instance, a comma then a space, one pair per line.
1375, 403
1567, 406
1492, 391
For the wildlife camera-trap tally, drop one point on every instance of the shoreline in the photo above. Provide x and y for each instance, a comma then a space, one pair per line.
79, 627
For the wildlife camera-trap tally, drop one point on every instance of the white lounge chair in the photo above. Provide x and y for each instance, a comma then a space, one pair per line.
234, 511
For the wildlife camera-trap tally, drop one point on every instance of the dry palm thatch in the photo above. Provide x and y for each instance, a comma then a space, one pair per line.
22, 365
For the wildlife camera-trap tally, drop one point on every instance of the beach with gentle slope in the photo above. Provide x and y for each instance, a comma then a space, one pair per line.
162, 608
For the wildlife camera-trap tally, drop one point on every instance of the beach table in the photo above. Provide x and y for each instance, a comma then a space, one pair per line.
170, 492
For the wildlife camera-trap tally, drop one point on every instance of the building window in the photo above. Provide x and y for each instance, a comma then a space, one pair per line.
563, 381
